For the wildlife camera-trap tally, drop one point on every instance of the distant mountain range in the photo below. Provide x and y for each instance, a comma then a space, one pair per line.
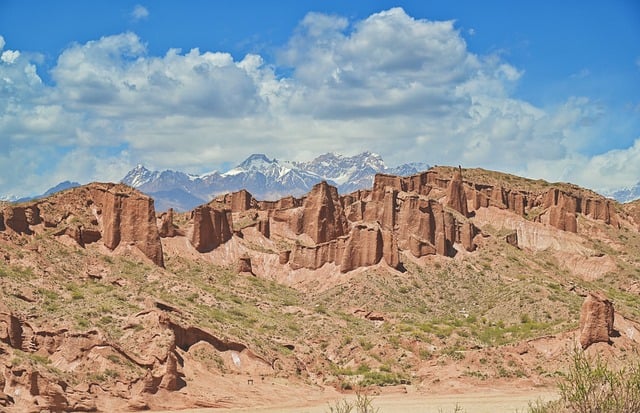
265, 178
625, 194
270, 179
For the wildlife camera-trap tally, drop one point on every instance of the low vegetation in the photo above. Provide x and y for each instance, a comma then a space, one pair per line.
592, 386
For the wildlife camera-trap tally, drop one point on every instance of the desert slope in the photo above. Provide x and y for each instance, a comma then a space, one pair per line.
446, 280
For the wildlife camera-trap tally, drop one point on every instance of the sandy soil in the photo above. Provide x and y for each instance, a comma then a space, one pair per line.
486, 401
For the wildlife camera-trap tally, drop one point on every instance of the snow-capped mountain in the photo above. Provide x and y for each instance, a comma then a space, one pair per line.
264, 178
626, 194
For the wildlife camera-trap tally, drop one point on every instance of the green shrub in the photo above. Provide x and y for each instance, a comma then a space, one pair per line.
592, 386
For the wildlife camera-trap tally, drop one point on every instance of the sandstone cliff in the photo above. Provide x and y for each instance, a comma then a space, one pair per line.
114, 214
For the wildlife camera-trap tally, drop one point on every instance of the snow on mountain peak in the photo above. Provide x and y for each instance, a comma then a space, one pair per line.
265, 178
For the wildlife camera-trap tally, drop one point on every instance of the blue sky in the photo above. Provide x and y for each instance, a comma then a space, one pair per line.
542, 89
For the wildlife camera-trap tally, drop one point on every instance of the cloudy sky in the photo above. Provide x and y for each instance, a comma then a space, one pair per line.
544, 89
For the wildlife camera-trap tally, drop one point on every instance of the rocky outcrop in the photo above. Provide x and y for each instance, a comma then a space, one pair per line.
323, 218
113, 213
166, 229
15, 219
129, 218
363, 248
315, 256
211, 228
456, 196
244, 264
596, 320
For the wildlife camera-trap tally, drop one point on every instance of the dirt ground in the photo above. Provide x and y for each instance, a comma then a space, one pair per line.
486, 401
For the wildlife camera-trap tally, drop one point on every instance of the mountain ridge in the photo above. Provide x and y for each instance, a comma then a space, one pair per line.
265, 178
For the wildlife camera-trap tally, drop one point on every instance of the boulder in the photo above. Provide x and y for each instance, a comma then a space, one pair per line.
596, 319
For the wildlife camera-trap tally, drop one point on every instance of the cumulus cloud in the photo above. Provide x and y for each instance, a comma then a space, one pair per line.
409, 89
139, 12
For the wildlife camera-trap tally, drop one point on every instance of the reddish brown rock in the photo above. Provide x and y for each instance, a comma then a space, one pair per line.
389, 209
512, 239
166, 228
390, 250
211, 228
467, 233
456, 196
129, 217
383, 181
420, 248
242, 201
171, 378
11, 330
498, 197
244, 264
416, 219
283, 256
264, 226
596, 320
16, 220
323, 218
363, 248
314, 257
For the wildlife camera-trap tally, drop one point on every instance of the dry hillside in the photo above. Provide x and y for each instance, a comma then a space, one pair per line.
450, 279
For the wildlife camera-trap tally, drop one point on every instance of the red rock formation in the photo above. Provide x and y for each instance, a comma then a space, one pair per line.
456, 196
244, 264
314, 257
498, 197
114, 213
129, 217
211, 228
166, 228
389, 209
283, 256
390, 251
596, 320
16, 220
466, 235
363, 248
264, 226
323, 218
382, 181
242, 201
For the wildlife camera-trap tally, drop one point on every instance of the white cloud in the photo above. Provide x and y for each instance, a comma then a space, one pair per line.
139, 12
10, 56
2, 43
406, 88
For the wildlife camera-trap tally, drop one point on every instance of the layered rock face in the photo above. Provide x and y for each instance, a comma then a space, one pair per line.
360, 229
129, 218
596, 320
211, 228
151, 351
322, 217
111, 213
